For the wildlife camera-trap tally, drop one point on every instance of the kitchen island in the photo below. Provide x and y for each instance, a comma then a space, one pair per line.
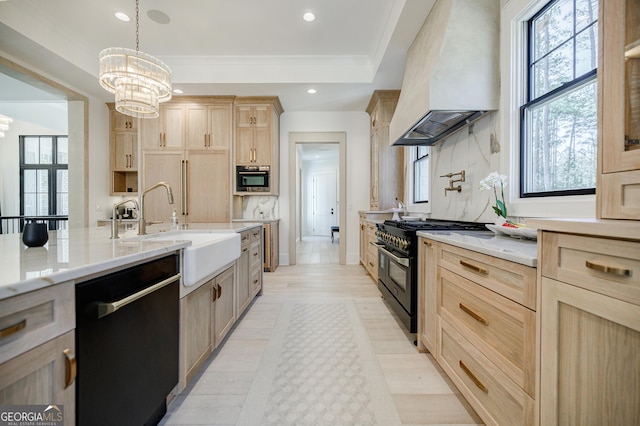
39, 308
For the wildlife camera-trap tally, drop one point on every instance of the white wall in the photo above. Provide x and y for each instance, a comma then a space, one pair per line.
356, 126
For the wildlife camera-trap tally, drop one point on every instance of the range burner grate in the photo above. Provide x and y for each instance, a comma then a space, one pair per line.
436, 225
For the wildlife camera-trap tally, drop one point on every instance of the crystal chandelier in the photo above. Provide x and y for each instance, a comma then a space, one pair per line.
4, 124
138, 80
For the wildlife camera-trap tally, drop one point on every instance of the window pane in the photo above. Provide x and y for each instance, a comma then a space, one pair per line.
30, 205
421, 180
43, 181
31, 150
587, 50
63, 150
62, 190
561, 153
586, 13
46, 150
30, 181
552, 28
554, 70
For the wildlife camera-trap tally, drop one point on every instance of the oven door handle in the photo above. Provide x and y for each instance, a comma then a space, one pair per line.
404, 261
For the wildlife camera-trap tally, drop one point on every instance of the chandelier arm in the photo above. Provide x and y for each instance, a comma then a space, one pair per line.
137, 25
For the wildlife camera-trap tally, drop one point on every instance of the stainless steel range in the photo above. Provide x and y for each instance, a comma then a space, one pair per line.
397, 262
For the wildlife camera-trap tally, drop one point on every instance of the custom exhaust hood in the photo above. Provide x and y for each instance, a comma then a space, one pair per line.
452, 73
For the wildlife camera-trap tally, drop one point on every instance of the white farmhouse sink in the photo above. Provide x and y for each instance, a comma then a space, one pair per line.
208, 252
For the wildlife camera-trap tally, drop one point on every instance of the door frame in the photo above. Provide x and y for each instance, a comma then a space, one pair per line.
296, 138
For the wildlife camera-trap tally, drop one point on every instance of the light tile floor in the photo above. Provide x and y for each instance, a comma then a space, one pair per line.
317, 251
235, 386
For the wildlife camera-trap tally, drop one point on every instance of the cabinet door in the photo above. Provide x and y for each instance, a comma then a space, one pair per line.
162, 166
242, 273
427, 302
197, 128
224, 304
374, 171
196, 335
589, 349
42, 376
122, 122
262, 146
220, 126
172, 126
244, 146
209, 191
124, 156
275, 245
150, 137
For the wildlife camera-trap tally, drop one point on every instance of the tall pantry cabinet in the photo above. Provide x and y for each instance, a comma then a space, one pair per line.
189, 147
387, 162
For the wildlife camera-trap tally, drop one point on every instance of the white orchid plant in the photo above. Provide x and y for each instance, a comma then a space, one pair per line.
491, 182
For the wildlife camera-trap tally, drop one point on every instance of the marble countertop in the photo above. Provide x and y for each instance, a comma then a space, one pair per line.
516, 250
256, 220
81, 252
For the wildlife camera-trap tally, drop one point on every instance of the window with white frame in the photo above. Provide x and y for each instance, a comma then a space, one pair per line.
558, 143
421, 175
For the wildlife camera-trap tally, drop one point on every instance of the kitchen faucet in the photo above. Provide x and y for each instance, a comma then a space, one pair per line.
114, 215
142, 226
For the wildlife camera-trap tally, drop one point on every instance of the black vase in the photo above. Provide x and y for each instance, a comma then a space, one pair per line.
35, 234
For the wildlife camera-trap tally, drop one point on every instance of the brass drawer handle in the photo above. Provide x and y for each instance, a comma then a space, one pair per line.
473, 314
12, 329
473, 377
607, 269
71, 368
474, 267
427, 243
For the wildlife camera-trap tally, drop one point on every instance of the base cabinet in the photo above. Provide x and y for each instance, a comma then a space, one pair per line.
224, 310
196, 336
243, 296
590, 331
44, 375
428, 253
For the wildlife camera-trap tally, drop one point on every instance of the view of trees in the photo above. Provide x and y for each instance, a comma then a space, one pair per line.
560, 120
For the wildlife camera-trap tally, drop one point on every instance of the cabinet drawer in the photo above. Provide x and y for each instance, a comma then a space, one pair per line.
501, 329
255, 280
512, 280
372, 261
255, 255
244, 238
496, 398
256, 234
606, 266
31, 319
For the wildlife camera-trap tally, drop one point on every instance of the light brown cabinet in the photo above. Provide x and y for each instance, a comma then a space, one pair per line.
271, 242
243, 291
224, 309
486, 332
189, 147
428, 254
256, 262
618, 195
37, 349
387, 162
123, 141
257, 135
371, 251
590, 331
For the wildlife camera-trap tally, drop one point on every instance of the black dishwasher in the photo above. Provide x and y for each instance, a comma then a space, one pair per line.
127, 327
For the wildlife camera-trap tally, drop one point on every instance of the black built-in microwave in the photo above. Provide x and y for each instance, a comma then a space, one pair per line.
253, 179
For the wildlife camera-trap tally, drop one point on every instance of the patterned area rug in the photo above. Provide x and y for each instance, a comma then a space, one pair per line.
319, 369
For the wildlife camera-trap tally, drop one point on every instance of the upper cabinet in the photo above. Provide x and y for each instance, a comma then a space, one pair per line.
387, 162
619, 110
208, 126
123, 152
257, 135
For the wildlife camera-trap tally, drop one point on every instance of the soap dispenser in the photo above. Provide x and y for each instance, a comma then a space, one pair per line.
174, 220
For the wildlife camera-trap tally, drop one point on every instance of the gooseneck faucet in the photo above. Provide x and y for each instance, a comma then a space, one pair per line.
142, 226
114, 214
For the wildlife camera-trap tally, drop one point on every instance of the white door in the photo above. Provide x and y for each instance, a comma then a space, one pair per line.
325, 210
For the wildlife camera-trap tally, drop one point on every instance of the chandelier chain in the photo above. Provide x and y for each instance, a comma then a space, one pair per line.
137, 26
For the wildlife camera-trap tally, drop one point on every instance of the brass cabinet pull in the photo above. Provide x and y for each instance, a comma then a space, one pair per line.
473, 377
473, 314
607, 269
12, 329
71, 368
371, 264
427, 243
215, 294
255, 281
474, 267
219, 292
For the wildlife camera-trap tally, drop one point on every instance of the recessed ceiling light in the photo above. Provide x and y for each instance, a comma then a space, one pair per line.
311, 91
309, 17
178, 91
123, 16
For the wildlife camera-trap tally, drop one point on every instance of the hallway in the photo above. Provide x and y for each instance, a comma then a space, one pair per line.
315, 250
319, 347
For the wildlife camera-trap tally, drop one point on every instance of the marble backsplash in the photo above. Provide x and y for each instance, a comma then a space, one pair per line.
260, 207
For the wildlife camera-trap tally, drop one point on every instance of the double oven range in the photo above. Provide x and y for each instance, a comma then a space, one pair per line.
398, 262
